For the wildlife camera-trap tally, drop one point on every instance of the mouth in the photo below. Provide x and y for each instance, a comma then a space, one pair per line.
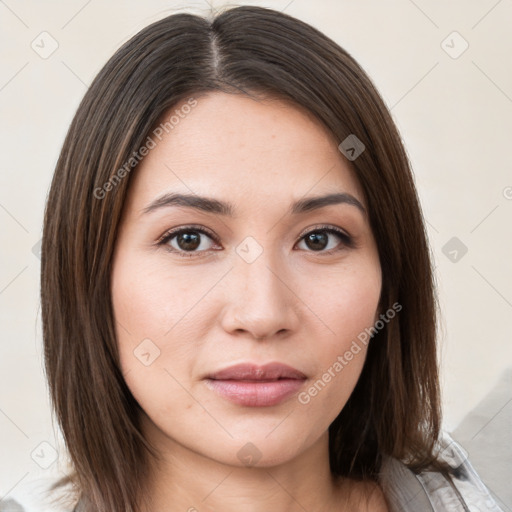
251, 385
250, 371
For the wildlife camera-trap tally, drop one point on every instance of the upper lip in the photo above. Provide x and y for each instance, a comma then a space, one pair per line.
249, 371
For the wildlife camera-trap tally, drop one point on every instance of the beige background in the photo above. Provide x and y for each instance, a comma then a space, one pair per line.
452, 105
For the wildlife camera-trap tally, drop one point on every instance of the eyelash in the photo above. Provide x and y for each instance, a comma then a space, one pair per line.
346, 240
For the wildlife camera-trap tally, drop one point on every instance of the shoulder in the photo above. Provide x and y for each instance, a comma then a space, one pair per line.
36, 495
432, 491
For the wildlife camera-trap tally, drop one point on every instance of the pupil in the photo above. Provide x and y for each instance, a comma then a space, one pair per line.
188, 242
315, 237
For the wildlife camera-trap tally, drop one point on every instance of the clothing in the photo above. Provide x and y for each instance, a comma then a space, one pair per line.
405, 491
430, 491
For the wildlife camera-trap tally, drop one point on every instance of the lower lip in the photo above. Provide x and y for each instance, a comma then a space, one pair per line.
256, 394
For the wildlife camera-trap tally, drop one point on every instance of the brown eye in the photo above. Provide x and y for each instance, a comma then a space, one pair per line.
191, 241
187, 241
319, 240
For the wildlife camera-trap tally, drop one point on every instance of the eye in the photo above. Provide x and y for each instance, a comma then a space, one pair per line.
318, 239
189, 240
186, 241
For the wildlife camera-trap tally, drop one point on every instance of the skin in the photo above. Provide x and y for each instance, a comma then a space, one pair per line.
294, 304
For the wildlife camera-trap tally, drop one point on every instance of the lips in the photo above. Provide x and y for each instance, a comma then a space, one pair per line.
252, 372
251, 385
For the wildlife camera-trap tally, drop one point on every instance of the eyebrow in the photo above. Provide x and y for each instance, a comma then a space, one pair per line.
211, 205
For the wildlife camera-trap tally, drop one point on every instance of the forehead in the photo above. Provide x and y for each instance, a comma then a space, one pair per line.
232, 145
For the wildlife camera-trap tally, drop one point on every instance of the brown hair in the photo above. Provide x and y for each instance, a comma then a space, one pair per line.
395, 407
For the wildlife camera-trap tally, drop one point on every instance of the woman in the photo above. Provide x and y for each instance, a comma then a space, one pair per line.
237, 297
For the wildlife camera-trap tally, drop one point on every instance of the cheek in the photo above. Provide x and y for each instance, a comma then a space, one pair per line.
140, 319
149, 298
155, 323
144, 311
347, 305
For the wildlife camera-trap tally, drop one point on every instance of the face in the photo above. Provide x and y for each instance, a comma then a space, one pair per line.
196, 291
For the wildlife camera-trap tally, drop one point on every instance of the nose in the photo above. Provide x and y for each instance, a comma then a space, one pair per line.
260, 300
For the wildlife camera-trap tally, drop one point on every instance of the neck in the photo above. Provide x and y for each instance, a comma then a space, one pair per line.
188, 481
